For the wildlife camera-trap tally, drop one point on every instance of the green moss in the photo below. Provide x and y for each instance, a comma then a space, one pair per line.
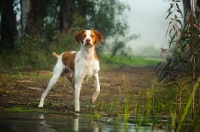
19, 109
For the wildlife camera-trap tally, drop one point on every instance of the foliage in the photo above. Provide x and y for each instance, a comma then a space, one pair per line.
37, 51
43, 32
118, 46
185, 42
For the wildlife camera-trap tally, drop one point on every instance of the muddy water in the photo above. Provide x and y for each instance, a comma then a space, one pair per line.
37, 122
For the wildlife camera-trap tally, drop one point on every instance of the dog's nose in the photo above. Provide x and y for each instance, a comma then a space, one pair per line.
88, 40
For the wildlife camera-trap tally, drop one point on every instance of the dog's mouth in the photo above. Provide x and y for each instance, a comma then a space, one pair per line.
88, 44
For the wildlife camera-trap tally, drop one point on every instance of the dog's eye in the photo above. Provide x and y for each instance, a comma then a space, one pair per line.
92, 36
84, 36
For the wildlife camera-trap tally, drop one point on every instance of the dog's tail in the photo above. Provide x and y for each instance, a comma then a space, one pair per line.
55, 55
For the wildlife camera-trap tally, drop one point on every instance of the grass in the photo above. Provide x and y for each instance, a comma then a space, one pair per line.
130, 61
154, 103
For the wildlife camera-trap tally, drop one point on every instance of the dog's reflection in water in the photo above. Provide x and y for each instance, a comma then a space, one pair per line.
44, 126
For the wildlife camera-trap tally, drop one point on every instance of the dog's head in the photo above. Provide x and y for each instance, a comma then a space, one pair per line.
89, 37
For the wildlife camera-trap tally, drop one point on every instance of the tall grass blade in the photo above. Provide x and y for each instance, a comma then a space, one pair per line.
188, 105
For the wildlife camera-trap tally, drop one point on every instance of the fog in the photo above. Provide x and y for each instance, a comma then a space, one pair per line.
147, 18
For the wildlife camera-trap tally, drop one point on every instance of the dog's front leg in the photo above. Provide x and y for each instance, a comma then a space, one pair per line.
97, 88
77, 95
78, 83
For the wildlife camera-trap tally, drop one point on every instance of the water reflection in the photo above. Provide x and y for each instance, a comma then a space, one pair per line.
34, 122
94, 125
44, 126
70, 122
86, 125
76, 121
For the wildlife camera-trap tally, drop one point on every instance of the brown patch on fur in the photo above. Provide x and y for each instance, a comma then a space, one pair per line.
95, 56
68, 59
80, 36
98, 36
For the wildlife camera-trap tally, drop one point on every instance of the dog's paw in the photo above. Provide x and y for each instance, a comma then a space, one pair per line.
40, 105
77, 111
92, 101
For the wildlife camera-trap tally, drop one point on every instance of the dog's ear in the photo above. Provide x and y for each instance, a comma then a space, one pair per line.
99, 36
78, 36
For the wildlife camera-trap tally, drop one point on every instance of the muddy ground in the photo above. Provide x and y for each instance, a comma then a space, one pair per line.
26, 88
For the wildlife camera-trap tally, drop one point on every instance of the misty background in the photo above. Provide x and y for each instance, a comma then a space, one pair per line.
147, 18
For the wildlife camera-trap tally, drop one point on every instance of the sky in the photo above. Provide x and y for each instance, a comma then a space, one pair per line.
147, 18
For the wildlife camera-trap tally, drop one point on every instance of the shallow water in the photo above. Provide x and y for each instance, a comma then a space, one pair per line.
37, 122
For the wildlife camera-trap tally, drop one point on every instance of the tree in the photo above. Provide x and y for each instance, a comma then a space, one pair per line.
66, 15
41, 19
36, 14
8, 30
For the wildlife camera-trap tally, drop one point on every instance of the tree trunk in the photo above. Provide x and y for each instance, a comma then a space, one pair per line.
36, 14
189, 5
66, 15
24, 13
8, 24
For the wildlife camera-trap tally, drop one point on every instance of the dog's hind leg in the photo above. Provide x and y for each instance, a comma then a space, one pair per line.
70, 77
56, 74
97, 88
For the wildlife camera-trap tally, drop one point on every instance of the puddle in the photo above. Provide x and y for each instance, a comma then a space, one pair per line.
35, 122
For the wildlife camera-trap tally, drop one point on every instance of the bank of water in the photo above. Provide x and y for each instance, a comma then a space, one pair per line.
38, 122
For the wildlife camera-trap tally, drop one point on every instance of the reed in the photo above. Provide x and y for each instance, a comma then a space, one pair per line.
154, 102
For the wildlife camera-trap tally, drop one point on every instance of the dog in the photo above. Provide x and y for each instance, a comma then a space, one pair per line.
78, 65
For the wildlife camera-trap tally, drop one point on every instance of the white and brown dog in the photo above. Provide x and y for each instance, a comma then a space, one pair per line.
78, 65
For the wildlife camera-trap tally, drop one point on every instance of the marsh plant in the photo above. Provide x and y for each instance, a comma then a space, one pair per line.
181, 71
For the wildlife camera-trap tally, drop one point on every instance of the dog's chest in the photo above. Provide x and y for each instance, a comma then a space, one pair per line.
87, 64
89, 58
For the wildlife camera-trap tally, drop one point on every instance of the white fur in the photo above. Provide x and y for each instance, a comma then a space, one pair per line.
85, 65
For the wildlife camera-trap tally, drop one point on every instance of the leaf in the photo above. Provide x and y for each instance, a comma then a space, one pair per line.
197, 8
168, 28
162, 76
179, 23
177, 6
167, 65
170, 8
168, 15
158, 67
179, 11
172, 39
183, 61
170, 32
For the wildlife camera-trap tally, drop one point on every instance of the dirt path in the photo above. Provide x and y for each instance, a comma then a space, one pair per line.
27, 89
